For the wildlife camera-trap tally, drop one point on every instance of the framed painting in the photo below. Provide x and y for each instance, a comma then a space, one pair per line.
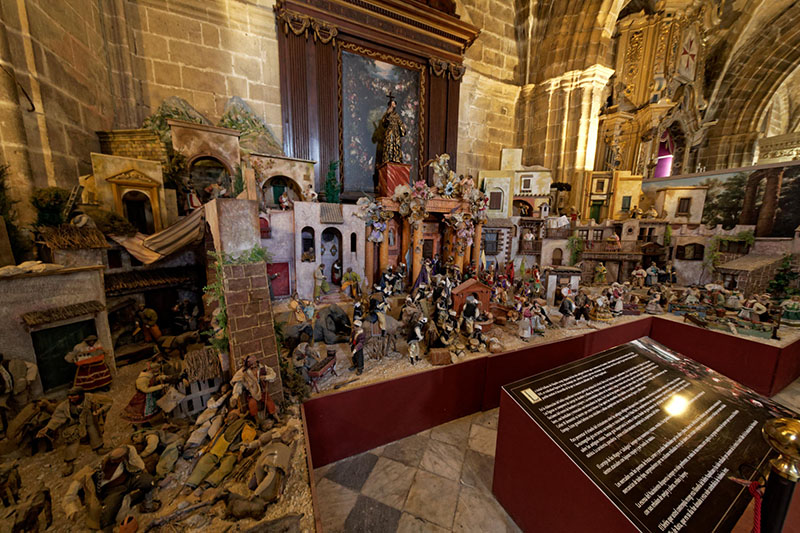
366, 79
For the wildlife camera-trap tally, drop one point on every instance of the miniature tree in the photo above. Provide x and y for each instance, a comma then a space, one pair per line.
332, 185
49, 203
780, 286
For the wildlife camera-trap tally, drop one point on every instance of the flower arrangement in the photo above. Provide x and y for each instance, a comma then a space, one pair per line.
412, 201
478, 203
374, 216
445, 180
464, 229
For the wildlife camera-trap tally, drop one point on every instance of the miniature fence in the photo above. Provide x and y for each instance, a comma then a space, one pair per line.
196, 397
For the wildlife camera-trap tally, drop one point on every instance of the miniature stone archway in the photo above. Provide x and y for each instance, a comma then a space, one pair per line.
206, 172
273, 187
138, 209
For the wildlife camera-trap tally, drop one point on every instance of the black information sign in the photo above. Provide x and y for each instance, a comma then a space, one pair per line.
658, 433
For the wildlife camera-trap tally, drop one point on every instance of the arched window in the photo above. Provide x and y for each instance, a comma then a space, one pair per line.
353, 242
308, 245
558, 256
210, 178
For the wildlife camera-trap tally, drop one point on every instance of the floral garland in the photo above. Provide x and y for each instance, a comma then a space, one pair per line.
412, 201
464, 229
374, 215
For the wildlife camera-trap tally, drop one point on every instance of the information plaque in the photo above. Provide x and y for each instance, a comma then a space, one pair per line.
658, 433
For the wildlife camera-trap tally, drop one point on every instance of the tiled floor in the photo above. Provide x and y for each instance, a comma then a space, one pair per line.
434, 481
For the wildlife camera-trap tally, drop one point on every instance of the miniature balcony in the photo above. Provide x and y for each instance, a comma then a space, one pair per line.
558, 233
531, 247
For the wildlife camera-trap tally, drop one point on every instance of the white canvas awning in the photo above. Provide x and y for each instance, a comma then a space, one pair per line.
151, 248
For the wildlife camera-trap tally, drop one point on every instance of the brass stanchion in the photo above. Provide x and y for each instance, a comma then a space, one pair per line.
783, 435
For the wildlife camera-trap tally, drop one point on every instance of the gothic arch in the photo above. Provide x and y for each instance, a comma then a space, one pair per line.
755, 72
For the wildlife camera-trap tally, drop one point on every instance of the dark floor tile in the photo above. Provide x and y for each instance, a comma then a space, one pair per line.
408, 451
353, 471
478, 470
371, 516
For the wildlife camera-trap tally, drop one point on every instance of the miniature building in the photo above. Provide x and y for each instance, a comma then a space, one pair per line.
751, 273
471, 287
558, 278
681, 204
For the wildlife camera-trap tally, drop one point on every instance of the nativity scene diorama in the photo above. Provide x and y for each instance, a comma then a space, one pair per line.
171, 312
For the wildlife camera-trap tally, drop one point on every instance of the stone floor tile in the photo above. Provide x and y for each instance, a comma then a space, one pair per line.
371, 516
443, 459
433, 498
334, 503
455, 432
353, 471
408, 451
482, 439
487, 418
478, 512
478, 470
414, 524
377, 451
389, 482
320, 472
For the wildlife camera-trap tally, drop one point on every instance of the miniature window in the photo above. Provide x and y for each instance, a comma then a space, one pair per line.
353, 242
391, 237
600, 186
308, 245
690, 252
626, 203
683, 206
558, 256
733, 247
114, 259
526, 184
490, 242
496, 200
583, 234
597, 235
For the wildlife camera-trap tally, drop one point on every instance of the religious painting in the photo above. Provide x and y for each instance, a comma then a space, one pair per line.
730, 190
367, 78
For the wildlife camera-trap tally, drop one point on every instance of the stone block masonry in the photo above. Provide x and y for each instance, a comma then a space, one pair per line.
250, 325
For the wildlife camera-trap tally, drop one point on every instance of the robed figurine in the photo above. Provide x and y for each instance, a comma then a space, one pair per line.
393, 132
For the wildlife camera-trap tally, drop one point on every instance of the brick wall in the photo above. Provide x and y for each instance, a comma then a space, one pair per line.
250, 325
92, 66
141, 144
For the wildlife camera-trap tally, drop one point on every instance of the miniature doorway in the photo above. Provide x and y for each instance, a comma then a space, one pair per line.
594, 211
138, 210
210, 178
52, 344
331, 254
274, 187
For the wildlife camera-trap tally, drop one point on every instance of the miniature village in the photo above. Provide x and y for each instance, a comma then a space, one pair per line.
166, 315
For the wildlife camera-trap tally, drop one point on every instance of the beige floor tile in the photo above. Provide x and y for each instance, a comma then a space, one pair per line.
389, 482
413, 524
483, 440
455, 432
433, 498
478, 512
443, 459
334, 503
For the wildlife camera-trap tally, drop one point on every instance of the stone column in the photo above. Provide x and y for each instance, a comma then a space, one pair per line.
460, 250
405, 241
416, 250
476, 244
383, 262
13, 139
447, 245
369, 260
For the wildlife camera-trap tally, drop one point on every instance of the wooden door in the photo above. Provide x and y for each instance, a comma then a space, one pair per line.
52, 344
280, 285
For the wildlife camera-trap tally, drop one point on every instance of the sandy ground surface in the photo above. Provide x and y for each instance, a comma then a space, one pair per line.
44, 471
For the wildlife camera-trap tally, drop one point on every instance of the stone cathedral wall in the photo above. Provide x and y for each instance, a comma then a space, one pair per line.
90, 66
